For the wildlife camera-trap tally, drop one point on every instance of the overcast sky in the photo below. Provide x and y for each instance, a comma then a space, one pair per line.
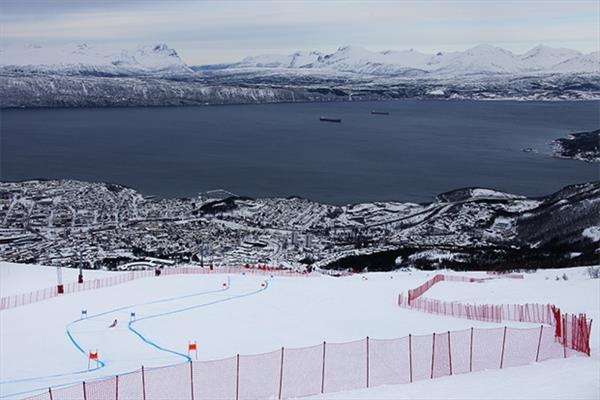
222, 31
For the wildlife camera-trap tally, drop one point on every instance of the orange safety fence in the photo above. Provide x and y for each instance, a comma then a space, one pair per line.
327, 367
572, 330
35, 296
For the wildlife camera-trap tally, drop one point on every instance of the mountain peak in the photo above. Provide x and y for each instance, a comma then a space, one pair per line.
486, 49
82, 58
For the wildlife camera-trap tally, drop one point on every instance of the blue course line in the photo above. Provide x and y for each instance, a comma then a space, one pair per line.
102, 363
185, 356
138, 333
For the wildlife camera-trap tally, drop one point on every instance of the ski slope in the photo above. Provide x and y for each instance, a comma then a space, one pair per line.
45, 344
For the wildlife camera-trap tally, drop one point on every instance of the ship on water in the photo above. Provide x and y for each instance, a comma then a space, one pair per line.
326, 119
379, 112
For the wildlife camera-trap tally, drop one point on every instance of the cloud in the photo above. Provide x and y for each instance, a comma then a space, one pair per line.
238, 28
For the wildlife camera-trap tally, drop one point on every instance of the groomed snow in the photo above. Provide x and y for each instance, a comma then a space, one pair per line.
570, 379
22, 278
290, 312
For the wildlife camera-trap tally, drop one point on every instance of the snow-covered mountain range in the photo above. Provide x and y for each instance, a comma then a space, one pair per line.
84, 59
160, 59
80, 75
480, 59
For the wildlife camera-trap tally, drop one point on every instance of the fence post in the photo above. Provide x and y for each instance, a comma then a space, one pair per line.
367, 361
84, 392
503, 343
237, 377
192, 379
564, 332
432, 354
410, 356
116, 387
143, 384
323, 371
537, 354
280, 374
449, 353
50, 393
471, 353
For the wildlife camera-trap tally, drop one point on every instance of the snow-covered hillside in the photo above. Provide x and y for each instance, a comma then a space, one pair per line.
247, 318
93, 60
299, 59
480, 59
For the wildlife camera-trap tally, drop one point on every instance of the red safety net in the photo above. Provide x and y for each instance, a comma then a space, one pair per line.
442, 362
521, 346
74, 392
421, 348
388, 361
35, 296
130, 386
215, 380
330, 367
102, 389
41, 396
550, 345
259, 376
302, 371
460, 351
165, 383
487, 348
573, 330
345, 366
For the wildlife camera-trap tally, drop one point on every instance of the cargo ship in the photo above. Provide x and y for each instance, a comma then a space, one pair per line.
325, 119
380, 113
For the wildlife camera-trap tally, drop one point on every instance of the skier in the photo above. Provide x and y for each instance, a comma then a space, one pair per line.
113, 324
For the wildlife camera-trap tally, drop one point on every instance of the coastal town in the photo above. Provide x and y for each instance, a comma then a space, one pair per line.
107, 226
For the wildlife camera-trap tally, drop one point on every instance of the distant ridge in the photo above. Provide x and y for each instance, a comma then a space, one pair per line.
477, 60
162, 60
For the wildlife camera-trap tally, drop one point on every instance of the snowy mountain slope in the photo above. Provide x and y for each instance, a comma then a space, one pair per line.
84, 59
540, 57
480, 59
299, 59
586, 63
292, 312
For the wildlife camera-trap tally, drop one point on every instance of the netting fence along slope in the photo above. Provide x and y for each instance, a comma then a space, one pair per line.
573, 331
23, 299
331, 367
327, 367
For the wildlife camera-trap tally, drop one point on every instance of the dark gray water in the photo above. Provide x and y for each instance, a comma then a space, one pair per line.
421, 149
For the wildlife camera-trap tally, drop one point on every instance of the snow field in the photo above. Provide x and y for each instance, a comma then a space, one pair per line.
248, 319
22, 278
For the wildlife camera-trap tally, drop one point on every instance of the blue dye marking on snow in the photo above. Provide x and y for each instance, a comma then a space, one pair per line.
82, 351
74, 342
185, 356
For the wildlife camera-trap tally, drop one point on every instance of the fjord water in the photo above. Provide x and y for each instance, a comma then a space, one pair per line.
422, 148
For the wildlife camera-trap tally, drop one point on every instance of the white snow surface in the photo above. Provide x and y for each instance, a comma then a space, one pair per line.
593, 232
489, 193
290, 312
572, 379
22, 278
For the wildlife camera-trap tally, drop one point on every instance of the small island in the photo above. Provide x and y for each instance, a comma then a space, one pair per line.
584, 146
